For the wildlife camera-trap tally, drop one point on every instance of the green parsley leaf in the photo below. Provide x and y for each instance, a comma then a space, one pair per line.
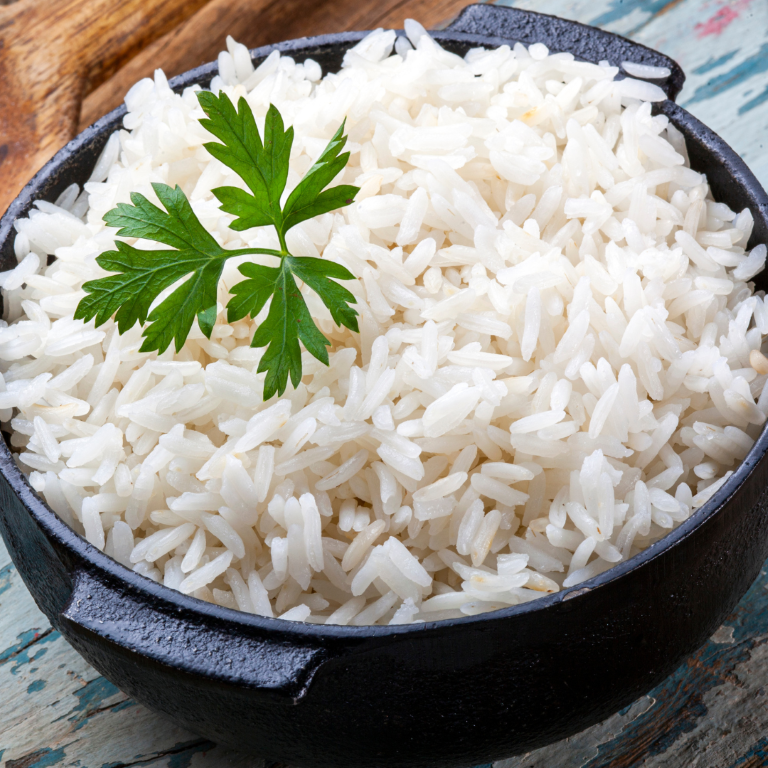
143, 275
195, 258
315, 273
263, 167
308, 200
289, 319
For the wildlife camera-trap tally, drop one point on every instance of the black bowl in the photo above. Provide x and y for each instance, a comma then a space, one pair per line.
455, 692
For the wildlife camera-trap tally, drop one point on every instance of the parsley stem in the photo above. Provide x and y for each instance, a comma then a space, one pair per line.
248, 251
283, 244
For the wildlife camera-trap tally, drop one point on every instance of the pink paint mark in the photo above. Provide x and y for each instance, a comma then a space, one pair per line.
722, 19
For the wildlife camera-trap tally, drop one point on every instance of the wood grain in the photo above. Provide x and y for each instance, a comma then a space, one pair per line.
255, 23
53, 53
711, 713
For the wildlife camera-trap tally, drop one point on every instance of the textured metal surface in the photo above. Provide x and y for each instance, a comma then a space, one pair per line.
495, 681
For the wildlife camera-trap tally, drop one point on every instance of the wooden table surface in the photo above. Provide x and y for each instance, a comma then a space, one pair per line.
55, 710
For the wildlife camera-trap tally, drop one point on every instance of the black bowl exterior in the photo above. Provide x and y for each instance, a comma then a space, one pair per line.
457, 692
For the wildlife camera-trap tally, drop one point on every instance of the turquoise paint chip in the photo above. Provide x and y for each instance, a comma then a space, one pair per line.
755, 64
713, 63
5, 584
35, 686
43, 758
756, 102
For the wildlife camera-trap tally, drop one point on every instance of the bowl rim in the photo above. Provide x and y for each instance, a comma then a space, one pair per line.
168, 599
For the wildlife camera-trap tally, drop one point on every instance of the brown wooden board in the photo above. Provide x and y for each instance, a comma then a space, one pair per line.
52, 53
255, 23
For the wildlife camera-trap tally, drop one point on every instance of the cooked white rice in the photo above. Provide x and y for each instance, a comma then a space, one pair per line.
558, 358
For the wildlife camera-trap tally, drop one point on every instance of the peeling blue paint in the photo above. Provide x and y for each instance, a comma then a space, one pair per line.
36, 685
619, 9
5, 577
25, 658
93, 693
43, 758
714, 63
755, 64
91, 698
756, 102
755, 756
33, 652
28, 648
24, 639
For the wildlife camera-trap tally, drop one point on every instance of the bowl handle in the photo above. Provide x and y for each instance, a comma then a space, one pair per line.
106, 619
585, 42
119, 620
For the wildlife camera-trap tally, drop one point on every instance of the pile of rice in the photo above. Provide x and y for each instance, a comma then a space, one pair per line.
558, 358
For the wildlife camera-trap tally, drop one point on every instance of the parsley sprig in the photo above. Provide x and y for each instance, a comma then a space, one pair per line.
140, 276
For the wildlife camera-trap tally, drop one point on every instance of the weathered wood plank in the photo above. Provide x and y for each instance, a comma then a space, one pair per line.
712, 713
56, 710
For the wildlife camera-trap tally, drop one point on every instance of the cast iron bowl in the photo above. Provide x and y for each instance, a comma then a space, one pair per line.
450, 693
